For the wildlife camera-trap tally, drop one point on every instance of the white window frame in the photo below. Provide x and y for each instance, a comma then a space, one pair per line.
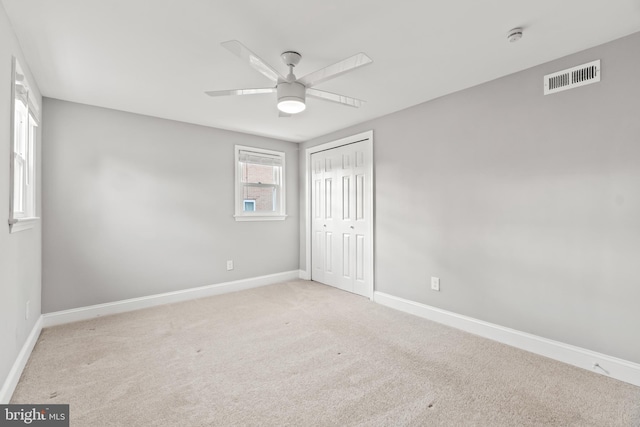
240, 215
24, 146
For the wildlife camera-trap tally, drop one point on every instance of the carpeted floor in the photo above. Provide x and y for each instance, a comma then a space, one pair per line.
304, 354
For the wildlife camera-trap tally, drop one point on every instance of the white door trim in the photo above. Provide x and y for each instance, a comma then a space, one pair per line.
364, 136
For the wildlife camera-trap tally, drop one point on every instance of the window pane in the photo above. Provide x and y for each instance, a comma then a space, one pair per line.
31, 150
259, 174
18, 188
20, 156
20, 129
264, 198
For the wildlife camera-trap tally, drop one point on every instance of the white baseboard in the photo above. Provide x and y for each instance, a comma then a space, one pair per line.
84, 313
13, 377
613, 367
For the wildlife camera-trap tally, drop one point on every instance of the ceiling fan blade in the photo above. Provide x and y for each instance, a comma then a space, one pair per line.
281, 114
243, 52
335, 70
334, 97
241, 91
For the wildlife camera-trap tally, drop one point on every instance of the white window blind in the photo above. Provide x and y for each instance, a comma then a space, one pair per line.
254, 158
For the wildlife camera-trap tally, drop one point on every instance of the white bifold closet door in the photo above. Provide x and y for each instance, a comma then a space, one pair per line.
340, 218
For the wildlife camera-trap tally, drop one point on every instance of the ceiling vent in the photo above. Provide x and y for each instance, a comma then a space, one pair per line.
570, 78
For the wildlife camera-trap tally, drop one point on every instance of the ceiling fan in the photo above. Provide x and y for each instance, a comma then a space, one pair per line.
292, 91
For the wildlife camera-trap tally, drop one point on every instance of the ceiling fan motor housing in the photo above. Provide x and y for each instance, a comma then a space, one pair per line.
291, 97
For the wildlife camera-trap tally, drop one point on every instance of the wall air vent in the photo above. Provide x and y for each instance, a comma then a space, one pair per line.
570, 78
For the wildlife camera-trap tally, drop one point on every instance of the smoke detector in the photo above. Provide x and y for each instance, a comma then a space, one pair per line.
514, 35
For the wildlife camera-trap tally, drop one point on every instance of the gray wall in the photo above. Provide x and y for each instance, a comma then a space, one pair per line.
526, 206
135, 205
19, 252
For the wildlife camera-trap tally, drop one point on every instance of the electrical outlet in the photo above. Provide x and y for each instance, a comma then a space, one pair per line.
230, 265
26, 312
435, 284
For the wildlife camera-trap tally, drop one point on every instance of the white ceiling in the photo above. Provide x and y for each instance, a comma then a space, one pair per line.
157, 57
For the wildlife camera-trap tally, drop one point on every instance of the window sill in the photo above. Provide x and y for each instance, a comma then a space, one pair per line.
259, 217
20, 224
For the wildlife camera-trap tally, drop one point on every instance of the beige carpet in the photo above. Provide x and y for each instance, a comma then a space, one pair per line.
304, 354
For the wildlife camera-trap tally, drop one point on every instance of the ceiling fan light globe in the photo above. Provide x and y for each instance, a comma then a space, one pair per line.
291, 105
291, 97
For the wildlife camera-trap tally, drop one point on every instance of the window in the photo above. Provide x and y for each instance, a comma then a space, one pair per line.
24, 133
249, 205
259, 184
